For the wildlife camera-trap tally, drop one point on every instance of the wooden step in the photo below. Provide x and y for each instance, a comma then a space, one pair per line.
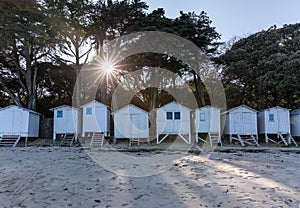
291, 140
9, 140
97, 139
250, 140
213, 138
68, 139
133, 141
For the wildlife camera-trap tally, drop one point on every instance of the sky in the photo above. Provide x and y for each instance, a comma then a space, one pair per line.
238, 18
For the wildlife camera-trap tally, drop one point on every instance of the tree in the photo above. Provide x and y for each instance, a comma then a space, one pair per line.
40, 38
109, 19
55, 84
71, 19
193, 27
26, 42
262, 70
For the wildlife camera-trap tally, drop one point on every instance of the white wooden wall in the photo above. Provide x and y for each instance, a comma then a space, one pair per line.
95, 118
131, 122
273, 121
34, 125
207, 120
295, 123
65, 120
240, 120
19, 121
173, 125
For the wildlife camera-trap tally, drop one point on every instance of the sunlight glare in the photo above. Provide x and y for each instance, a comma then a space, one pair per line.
107, 67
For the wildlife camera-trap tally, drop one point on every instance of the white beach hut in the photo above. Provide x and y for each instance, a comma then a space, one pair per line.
275, 121
18, 122
173, 119
207, 120
131, 122
295, 123
95, 118
240, 123
65, 122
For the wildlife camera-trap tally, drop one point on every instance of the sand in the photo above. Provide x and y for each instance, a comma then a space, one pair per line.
78, 177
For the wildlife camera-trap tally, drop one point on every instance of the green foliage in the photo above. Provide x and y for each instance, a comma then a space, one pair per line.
44, 44
194, 27
55, 86
262, 70
191, 26
71, 21
26, 40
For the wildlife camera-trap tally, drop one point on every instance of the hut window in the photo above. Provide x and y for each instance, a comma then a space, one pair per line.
59, 114
202, 117
169, 116
177, 115
89, 111
271, 117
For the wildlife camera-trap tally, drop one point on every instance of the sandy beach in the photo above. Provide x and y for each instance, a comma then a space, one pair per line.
86, 177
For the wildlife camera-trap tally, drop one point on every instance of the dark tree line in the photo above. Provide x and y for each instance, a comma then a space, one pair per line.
263, 70
45, 43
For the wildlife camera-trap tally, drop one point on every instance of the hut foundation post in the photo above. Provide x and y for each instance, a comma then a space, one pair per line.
54, 138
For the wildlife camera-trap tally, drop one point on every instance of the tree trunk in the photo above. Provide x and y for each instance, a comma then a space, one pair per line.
32, 103
32, 95
199, 90
153, 97
30, 78
77, 90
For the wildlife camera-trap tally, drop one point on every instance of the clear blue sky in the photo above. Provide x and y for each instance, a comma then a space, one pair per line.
236, 17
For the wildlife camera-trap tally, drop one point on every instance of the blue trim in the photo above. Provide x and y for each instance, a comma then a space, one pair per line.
59, 114
177, 115
169, 116
88, 111
271, 117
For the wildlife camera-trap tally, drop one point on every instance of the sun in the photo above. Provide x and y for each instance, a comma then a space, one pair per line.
107, 67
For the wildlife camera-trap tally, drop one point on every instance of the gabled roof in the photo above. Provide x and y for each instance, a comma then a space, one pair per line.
94, 101
276, 107
241, 106
174, 103
129, 106
295, 112
207, 106
21, 108
123, 100
63, 106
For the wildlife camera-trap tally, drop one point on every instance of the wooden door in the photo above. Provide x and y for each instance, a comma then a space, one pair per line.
283, 122
247, 123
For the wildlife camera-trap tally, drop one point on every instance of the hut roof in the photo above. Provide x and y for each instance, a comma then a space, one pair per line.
21, 108
132, 106
276, 107
176, 104
241, 106
295, 112
62, 106
208, 106
94, 101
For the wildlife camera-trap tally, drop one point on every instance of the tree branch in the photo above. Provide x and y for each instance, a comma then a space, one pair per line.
10, 93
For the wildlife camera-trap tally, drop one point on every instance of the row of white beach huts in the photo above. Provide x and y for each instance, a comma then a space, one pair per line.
207, 124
